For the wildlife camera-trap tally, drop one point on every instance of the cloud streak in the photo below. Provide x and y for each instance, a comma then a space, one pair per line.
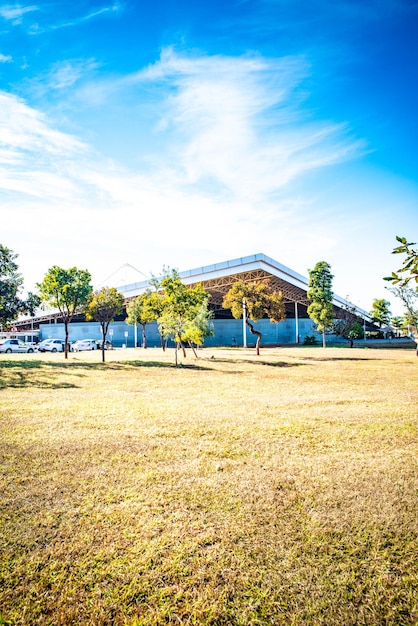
115, 8
14, 13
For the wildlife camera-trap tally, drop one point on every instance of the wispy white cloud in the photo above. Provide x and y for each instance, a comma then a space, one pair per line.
24, 128
116, 7
237, 121
63, 76
5, 58
15, 12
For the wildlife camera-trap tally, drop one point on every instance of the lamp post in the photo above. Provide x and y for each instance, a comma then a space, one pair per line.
244, 322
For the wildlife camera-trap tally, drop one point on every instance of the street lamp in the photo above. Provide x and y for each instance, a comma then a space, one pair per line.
244, 322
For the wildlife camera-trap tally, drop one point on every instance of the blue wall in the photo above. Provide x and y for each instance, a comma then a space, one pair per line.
227, 332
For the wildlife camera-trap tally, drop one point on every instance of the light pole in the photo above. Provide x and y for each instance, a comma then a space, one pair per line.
244, 322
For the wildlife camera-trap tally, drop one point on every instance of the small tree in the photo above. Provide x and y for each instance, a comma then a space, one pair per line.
398, 322
200, 327
181, 306
260, 300
380, 312
146, 308
320, 293
102, 306
409, 297
409, 270
11, 283
68, 291
347, 325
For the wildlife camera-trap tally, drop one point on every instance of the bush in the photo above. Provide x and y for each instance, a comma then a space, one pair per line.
310, 340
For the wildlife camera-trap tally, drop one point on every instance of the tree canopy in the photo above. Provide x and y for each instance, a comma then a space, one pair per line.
409, 269
380, 312
146, 308
320, 293
181, 310
68, 291
11, 283
103, 306
260, 300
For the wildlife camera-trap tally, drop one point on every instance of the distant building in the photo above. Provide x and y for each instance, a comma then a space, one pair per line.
217, 280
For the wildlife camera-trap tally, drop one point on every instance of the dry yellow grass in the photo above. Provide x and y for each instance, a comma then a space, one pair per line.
233, 490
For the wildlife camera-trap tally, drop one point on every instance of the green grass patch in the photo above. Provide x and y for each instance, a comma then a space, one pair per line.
232, 491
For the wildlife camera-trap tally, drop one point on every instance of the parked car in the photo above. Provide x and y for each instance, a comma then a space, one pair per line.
51, 345
108, 344
84, 344
15, 345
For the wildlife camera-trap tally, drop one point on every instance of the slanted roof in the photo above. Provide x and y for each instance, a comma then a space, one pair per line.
218, 278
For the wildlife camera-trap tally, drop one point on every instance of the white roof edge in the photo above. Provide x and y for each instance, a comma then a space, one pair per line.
254, 261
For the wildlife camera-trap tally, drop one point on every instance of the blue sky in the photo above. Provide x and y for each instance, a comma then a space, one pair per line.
185, 133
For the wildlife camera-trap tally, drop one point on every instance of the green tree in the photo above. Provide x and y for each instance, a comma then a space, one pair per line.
398, 322
409, 297
409, 269
66, 290
103, 306
181, 307
31, 304
146, 308
380, 312
200, 327
11, 283
321, 310
260, 300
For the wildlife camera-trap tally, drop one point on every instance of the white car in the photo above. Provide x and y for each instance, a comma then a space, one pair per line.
84, 344
15, 345
50, 345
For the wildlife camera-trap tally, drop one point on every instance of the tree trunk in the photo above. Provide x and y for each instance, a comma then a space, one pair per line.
193, 348
183, 348
104, 333
144, 337
161, 333
324, 341
66, 340
257, 333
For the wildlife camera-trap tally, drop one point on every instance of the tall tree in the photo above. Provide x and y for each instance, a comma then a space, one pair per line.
320, 293
66, 290
380, 312
11, 283
260, 300
409, 268
103, 306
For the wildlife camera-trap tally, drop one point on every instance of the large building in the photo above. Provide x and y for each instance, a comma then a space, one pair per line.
216, 280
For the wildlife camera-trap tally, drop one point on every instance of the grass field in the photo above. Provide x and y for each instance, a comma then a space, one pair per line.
233, 490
